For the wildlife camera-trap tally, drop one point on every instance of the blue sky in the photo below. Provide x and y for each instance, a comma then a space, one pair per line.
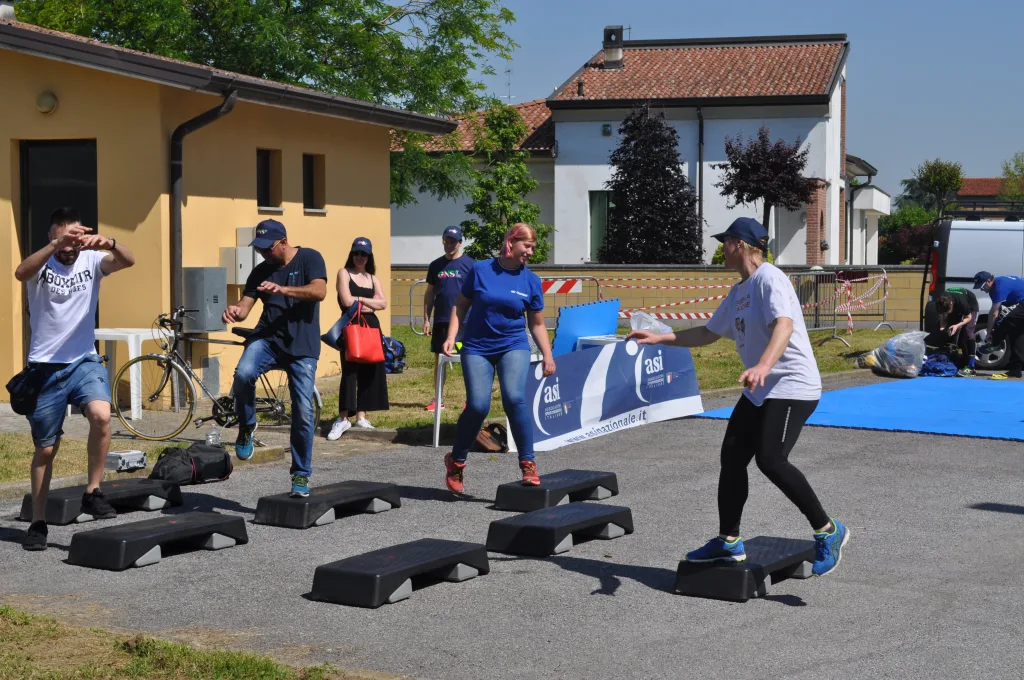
926, 79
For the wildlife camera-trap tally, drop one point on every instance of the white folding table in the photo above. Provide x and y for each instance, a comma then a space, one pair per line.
133, 337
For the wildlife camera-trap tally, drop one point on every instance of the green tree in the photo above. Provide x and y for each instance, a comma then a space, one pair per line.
426, 56
1013, 178
654, 218
766, 171
941, 180
913, 195
903, 235
499, 190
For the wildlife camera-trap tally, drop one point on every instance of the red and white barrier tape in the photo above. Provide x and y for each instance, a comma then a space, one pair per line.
626, 314
619, 285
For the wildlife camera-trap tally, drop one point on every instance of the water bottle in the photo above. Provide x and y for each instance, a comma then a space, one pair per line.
213, 436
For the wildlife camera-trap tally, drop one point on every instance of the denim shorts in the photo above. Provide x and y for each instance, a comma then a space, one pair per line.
76, 384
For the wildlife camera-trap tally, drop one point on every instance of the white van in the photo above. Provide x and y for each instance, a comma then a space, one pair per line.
959, 250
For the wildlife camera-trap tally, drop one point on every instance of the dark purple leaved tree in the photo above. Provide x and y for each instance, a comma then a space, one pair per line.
761, 170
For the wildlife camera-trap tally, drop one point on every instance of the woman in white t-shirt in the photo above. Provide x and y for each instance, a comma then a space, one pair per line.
781, 389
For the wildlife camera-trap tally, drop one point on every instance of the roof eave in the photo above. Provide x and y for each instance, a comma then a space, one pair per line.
210, 80
691, 102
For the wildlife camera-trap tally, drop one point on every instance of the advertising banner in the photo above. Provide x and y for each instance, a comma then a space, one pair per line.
610, 388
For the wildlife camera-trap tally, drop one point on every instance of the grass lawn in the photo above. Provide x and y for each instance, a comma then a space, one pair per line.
718, 366
33, 646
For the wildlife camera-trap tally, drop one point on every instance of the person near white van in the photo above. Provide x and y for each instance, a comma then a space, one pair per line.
1005, 291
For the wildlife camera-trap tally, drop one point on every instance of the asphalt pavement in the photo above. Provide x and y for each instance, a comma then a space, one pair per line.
930, 585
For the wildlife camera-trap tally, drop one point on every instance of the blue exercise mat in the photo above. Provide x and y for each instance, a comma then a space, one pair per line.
963, 407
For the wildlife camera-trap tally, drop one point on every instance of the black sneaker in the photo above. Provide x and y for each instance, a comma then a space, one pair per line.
1015, 373
96, 505
35, 538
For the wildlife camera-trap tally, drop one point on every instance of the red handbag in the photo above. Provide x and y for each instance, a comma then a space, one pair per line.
363, 344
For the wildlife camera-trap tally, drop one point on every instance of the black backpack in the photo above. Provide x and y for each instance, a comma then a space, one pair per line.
197, 464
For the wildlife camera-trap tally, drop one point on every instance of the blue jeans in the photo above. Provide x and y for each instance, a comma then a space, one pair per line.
478, 371
259, 357
77, 384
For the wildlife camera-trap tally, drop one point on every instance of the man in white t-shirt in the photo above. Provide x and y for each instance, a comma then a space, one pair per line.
62, 282
762, 315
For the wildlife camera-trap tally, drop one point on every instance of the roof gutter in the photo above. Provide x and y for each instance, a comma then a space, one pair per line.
177, 192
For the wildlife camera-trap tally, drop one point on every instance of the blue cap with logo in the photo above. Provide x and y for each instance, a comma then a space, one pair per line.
267, 233
980, 278
362, 245
452, 232
746, 229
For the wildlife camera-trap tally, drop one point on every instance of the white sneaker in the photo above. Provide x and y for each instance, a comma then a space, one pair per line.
338, 429
364, 424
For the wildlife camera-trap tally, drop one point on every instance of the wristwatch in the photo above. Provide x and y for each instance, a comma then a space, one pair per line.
113, 245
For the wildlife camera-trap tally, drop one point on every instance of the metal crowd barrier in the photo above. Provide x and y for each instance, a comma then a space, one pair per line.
818, 292
864, 294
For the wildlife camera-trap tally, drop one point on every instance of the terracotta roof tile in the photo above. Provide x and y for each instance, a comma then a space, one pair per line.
537, 116
981, 186
709, 71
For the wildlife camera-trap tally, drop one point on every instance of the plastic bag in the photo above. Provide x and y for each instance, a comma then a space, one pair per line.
642, 321
901, 356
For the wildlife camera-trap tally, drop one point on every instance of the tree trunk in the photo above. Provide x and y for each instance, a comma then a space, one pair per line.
767, 217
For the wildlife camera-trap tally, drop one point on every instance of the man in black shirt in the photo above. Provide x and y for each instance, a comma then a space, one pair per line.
290, 282
958, 314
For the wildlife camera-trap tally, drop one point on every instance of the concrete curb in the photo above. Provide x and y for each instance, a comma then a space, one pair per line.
16, 490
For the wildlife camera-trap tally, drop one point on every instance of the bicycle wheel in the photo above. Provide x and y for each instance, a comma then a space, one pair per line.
164, 393
274, 401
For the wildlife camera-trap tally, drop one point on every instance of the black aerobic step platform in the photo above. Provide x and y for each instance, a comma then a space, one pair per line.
138, 544
325, 502
64, 506
549, 531
768, 558
557, 488
383, 576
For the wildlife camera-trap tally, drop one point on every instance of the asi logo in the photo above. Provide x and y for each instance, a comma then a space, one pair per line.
551, 393
654, 364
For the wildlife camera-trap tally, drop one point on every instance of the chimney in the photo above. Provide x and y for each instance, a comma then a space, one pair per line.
612, 47
7, 10
579, 87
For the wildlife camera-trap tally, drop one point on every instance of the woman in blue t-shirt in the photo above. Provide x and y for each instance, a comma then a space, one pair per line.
501, 291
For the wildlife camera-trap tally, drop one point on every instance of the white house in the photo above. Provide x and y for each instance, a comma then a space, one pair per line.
708, 89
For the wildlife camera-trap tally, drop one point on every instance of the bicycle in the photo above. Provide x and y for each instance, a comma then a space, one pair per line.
166, 384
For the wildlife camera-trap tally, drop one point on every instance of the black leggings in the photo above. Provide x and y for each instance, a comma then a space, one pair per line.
767, 434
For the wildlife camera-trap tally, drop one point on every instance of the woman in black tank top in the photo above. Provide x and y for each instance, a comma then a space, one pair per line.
364, 387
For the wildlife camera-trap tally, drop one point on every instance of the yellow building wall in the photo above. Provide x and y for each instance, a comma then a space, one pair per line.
122, 115
220, 188
132, 121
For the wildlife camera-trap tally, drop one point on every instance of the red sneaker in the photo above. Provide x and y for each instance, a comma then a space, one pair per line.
453, 475
530, 476
433, 404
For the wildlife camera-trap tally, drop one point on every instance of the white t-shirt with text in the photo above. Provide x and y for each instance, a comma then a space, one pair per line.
62, 309
744, 317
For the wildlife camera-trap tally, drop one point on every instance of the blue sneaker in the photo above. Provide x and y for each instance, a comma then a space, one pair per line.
828, 548
718, 550
243, 444
300, 486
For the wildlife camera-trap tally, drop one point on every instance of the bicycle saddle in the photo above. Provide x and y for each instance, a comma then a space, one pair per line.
242, 332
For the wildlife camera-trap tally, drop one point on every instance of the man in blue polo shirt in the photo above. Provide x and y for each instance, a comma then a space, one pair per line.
445, 276
290, 282
1005, 291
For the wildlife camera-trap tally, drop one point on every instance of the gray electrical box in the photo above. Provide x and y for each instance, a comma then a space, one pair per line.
205, 289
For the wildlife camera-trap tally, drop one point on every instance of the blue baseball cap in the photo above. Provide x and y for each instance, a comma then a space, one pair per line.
452, 232
267, 232
746, 229
980, 278
362, 245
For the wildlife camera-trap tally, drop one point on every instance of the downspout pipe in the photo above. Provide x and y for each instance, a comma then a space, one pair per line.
700, 168
177, 194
